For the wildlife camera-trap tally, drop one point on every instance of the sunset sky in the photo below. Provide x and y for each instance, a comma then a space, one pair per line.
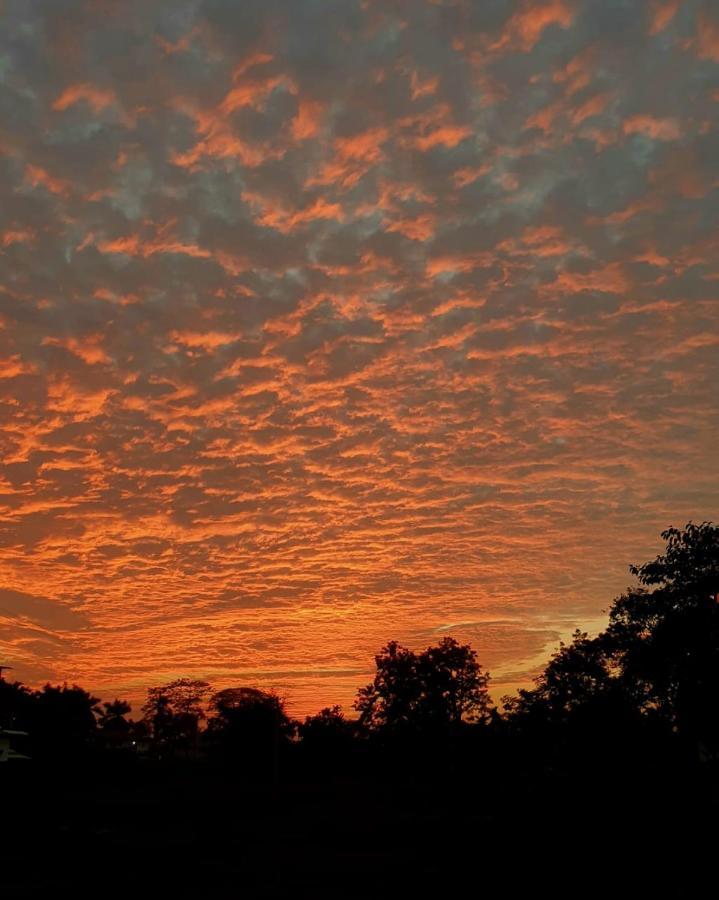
329, 323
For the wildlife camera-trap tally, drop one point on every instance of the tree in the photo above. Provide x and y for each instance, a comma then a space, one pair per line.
249, 710
327, 739
664, 642
173, 712
436, 689
184, 696
657, 662
63, 722
16, 703
326, 729
578, 673
325, 725
114, 727
249, 727
111, 713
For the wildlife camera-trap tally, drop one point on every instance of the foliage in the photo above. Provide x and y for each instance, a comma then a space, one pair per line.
327, 728
112, 713
575, 675
245, 710
658, 659
249, 728
438, 688
16, 703
63, 720
665, 642
173, 712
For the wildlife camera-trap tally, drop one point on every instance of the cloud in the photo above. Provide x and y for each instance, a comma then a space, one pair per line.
322, 325
49, 614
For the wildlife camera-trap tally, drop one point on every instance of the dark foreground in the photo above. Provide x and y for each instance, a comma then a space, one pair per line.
145, 831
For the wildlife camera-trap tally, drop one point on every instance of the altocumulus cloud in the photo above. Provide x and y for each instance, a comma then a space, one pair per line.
327, 323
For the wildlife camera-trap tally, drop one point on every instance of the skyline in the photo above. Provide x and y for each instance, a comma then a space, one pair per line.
328, 324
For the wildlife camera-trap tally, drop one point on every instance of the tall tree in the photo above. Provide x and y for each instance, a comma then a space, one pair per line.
16, 704
663, 636
577, 674
658, 659
173, 712
440, 687
112, 712
113, 724
63, 722
250, 727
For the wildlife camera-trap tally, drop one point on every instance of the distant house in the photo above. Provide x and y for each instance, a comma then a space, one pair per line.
9, 742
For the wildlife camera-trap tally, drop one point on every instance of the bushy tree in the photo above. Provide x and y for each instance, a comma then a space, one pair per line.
656, 663
112, 713
249, 727
63, 722
663, 637
173, 712
16, 704
326, 730
577, 674
114, 726
438, 688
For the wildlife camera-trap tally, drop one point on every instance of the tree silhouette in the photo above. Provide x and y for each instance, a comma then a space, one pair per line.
16, 703
111, 713
173, 712
657, 662
328, 723
642, 693
438, 688
664, 642
577, 674
114, 727
249, 727
63, 722
327, 740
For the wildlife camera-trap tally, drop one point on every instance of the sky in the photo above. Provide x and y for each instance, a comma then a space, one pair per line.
324, 324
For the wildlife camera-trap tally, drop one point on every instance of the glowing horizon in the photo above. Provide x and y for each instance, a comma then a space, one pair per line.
328, 324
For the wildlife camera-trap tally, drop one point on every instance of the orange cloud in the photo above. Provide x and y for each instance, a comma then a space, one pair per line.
545, 118
376, 361
96, 97
12, 366
17, 236
707, 38
433, 128
527, 25
594, 106
468, 175
665, 129
661, 14
204, 340
578, 72
217, 137
609, 278
419, 228
285, 221
88, 348
181, 45
353, 157
423, 88
306, 123
38, 177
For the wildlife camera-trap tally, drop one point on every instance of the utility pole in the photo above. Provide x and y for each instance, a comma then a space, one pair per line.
2, 669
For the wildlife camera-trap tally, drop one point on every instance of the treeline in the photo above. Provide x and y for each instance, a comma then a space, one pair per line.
643, 694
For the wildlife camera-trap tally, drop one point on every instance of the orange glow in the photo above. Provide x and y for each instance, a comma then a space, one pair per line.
97, 98
328, 324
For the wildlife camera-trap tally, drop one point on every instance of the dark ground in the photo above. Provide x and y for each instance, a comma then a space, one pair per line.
146, 831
